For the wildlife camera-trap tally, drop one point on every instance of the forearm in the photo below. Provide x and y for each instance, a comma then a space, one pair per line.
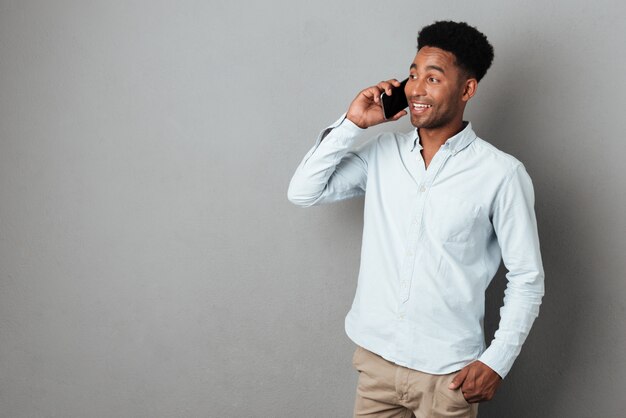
522, 300
312, 179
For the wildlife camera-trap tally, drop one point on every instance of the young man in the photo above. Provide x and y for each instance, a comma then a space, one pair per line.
442, 208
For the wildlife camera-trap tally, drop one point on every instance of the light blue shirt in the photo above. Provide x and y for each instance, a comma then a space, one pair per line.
432, 241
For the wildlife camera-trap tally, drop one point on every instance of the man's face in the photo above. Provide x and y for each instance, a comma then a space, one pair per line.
435, 89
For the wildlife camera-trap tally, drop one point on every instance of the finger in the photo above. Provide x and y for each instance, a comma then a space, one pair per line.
372, 93
386, 86
377, 97
470, 380
399, 115
390, 85
458, 379
471, 388
473, 399
377, 91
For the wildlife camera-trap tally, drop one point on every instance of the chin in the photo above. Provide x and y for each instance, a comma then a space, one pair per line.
422, 124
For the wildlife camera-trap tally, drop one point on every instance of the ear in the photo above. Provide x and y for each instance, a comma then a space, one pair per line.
469, 89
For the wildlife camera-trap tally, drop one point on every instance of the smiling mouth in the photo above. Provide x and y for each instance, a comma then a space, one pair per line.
420, 107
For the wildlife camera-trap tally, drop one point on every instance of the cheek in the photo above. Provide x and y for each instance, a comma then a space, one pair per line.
446, 98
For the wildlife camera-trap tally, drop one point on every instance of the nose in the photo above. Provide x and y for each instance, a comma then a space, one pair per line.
415, 87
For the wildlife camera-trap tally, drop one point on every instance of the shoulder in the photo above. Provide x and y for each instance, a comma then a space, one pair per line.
392, 139
495, 157
511, 174
382, 147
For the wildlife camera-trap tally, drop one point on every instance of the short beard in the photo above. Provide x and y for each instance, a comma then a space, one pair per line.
435, 124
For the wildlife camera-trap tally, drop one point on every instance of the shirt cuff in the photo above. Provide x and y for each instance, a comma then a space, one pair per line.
350, 126
499, 358
344, 127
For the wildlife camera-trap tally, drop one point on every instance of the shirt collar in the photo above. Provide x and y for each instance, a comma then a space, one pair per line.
455, 143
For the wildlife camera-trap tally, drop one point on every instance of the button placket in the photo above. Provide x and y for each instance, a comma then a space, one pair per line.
409, 258
415, 228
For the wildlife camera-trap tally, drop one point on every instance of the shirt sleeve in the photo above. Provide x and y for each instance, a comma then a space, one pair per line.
331, 170
515, 226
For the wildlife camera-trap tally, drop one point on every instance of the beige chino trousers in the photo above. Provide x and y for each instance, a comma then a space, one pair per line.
386, 390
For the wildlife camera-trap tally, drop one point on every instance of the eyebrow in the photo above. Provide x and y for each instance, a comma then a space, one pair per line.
428, 67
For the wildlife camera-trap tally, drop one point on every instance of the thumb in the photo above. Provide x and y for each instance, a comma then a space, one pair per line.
459, 378
399, 115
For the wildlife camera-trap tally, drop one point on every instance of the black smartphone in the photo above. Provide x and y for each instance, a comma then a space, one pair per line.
395, 102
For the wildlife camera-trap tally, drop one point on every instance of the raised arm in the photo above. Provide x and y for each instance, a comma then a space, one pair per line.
331, 171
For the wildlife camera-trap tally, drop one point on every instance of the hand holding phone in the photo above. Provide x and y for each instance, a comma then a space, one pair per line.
367, 110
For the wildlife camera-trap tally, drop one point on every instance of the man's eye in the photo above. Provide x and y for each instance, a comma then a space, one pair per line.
412, 76
433, 80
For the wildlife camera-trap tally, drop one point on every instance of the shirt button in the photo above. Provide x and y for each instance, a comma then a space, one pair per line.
422, 188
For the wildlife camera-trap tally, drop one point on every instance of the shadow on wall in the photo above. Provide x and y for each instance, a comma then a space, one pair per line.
532, 387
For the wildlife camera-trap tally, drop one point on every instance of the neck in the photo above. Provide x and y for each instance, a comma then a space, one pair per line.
436, 137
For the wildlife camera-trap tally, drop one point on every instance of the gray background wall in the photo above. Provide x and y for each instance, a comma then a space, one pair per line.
150, 263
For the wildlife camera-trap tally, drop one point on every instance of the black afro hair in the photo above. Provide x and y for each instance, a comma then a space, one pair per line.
471, 48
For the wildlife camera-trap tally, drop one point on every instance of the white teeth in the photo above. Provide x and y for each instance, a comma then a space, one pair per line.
421, 106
